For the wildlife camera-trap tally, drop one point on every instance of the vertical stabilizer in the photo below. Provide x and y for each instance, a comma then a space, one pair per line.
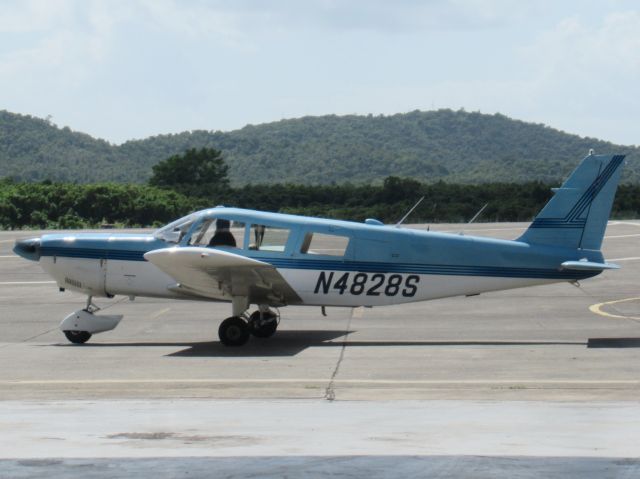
577, 215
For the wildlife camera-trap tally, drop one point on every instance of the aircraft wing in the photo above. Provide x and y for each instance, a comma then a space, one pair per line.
219, 274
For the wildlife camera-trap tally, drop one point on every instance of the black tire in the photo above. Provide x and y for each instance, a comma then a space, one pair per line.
233, 331
265, 327
78, 337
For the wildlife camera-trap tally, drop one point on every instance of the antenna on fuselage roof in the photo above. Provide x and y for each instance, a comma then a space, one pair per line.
409, 212
477, 214
461, 232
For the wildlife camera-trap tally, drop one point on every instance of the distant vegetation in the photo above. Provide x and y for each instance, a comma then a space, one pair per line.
453, 146
197, 173
63, 205
357, 166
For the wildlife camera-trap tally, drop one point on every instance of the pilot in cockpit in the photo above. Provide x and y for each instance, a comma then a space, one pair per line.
223, 235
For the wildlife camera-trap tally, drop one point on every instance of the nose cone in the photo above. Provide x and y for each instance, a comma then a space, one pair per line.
28, 248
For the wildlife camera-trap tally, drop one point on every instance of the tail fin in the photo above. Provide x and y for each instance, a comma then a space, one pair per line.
577, 215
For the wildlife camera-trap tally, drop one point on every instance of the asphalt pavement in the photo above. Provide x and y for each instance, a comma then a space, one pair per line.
535, 382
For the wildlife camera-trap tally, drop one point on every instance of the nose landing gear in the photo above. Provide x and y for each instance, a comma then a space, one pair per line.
80, 325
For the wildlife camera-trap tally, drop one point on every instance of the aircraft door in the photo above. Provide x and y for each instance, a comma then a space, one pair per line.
120, 277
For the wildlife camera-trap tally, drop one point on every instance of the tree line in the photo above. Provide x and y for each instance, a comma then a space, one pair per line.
64, 205
199, 179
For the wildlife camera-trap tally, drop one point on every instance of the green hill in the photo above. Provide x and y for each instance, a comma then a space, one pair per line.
455, 146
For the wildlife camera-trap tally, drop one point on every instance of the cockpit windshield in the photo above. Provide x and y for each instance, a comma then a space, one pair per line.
174, 232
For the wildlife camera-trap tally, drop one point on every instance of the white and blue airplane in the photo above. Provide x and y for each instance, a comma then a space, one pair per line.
271, 260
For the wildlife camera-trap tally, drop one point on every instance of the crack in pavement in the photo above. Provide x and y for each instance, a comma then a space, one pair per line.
330, 393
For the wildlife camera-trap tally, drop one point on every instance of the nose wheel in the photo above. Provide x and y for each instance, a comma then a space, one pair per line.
78, 337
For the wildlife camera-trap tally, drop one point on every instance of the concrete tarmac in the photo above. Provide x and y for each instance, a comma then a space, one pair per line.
537, 381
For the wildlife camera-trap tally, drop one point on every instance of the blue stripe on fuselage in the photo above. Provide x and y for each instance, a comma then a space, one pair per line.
125, 246
122, 250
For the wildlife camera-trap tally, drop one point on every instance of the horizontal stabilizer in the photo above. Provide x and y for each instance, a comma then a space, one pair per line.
588, 266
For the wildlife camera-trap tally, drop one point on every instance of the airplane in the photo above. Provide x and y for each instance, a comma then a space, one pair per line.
271, 260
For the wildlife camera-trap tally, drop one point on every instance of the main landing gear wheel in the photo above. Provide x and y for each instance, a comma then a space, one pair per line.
263, 326
233, 331
78, 337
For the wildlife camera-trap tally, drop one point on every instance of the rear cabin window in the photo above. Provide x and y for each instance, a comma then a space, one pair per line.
219, 232
324, 244
268, 238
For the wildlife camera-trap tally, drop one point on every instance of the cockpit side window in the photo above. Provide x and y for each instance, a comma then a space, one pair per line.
268, 238
219, 232
324, 244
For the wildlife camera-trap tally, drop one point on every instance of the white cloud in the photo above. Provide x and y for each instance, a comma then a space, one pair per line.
588, 76
34, 15
572, 65
576, 57
574, 45
196, 21
383, 16
58, 52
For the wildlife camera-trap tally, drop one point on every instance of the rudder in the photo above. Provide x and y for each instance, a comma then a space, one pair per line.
577, 215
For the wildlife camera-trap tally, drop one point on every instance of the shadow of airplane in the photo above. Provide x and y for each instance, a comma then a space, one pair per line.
613, 343
284, 343
291, 343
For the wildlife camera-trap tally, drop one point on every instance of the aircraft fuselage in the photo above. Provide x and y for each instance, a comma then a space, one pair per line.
384, 266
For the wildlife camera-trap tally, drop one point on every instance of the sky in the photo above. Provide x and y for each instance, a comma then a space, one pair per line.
129, 69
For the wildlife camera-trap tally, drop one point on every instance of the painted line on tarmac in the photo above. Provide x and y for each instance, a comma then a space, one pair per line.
9, 256
624, 223
19, 283
159, 313
434, 382
630, 258
597, 309
622, 236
